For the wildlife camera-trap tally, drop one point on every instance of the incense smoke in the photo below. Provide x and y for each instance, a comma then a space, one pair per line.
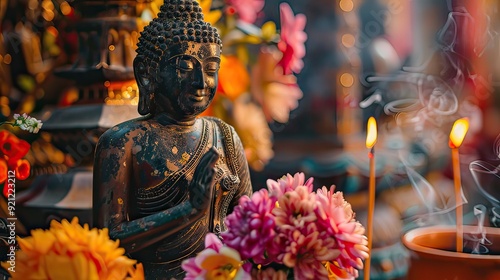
425, 101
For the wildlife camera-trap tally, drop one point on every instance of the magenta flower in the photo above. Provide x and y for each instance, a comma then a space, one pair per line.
251, 226
288, 183
247, 10
292, 40
336, 217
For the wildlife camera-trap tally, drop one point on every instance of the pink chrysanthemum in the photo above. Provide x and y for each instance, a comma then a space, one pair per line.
288, 183
247, 10
251, 226
299, 244
269, 274
336, 217
292, 40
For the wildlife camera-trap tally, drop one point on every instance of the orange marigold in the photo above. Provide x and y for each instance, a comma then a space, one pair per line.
234, 79
70, 251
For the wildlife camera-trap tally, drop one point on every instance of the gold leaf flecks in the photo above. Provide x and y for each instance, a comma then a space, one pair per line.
171, 166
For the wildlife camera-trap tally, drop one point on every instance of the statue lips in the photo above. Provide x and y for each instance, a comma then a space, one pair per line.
198, 97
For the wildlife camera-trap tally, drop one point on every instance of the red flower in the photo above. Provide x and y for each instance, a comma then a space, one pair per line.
23, 169
12, 147
5, 190
4, 134
3, 170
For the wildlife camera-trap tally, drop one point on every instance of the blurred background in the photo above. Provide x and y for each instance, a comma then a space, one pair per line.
416, 66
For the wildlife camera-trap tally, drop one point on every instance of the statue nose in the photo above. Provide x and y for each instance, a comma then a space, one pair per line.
199, 79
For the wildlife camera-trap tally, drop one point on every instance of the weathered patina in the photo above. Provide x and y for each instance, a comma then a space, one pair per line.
163, 181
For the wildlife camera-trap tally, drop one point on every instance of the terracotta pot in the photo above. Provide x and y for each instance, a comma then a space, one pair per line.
433, 255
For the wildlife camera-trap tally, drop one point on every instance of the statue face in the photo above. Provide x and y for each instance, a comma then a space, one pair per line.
188, 79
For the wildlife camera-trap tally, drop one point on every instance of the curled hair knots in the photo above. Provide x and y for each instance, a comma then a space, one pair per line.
177, 21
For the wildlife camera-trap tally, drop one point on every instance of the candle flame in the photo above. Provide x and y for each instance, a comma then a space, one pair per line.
371, 134
458, 131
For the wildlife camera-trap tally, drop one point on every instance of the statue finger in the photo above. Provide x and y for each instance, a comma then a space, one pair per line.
210, 157
206, 164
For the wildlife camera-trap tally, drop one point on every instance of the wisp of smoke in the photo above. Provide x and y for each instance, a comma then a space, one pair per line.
496, 147
477, 240
487, 178
437, 207
437, 93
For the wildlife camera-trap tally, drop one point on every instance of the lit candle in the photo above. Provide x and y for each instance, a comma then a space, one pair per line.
457, 136
371, 139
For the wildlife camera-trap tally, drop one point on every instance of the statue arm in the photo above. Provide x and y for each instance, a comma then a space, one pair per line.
111, 183
144, 232
111, 200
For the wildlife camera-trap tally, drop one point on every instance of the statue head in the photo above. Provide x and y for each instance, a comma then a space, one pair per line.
177, 62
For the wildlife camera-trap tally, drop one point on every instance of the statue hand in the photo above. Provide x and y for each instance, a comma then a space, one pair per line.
200, 189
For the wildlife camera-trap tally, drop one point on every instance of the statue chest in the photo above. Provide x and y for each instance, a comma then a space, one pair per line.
164, 155
164, 165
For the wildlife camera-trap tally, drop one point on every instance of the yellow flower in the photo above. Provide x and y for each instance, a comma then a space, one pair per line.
269, 32
69, 251
224, 265
210, 16
254, 132
216, 262
335, 272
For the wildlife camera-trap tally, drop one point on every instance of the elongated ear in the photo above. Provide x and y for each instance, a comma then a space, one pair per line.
145, 85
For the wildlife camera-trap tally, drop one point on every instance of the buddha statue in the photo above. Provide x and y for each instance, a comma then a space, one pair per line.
163, 181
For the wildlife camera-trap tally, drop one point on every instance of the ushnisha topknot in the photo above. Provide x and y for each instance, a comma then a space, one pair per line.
178, 21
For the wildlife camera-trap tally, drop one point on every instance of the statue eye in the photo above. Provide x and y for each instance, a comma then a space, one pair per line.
185, 64
211, 67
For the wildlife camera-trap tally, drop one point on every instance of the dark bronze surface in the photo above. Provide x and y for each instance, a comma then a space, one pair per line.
162, 182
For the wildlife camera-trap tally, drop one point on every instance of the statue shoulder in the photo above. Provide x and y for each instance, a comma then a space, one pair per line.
225, 128
232, 144
120, 134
